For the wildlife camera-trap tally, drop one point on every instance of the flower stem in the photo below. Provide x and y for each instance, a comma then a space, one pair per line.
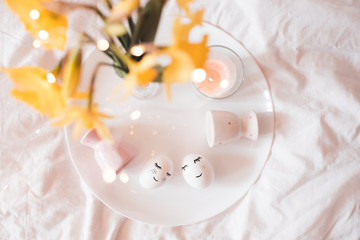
114, 49
108, 4
131, 25
92, 82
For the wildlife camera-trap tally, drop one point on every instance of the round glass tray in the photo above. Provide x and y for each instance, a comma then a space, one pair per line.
177, 128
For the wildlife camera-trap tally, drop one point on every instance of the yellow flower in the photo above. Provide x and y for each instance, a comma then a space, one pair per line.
122, 10
181, 31
38, 88
85, 118
179, 70
185, 56
197, 51
46, 26
141, 73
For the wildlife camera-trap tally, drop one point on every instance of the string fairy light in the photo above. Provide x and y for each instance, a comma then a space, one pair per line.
198, 75
34, 14
50, 77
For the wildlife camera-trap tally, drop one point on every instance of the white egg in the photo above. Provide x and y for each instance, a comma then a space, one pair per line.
156, 172
197, 171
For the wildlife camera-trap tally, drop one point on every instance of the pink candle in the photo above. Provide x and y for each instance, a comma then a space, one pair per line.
221, 75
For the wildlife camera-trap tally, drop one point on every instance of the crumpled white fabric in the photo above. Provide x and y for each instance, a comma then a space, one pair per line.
309, 52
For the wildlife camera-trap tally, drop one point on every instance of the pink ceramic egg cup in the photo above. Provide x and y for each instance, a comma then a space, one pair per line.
114, 156
224, 127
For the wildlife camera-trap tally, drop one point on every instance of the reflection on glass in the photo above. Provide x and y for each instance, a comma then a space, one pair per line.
153, 153
124, 177
135, 115
266, 94
37, 43
109, 175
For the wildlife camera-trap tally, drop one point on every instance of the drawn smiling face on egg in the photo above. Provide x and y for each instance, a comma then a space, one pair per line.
197, 171
156, 172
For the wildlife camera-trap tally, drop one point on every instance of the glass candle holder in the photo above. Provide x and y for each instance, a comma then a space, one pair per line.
146, 92
224, 73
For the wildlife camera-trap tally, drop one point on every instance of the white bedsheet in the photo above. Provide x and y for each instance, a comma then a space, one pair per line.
309, 52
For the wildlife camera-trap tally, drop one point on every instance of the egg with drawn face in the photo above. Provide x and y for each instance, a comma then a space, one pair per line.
197, 171
156, 172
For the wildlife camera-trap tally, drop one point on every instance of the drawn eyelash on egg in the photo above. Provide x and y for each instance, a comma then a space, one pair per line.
168, 174
157, 166
197, 160
183, 168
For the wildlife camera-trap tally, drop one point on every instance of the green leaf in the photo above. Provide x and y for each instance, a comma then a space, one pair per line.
148, 21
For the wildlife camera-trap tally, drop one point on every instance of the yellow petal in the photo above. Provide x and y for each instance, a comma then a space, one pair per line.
102, 130
184, 4
197, 51
71, 114
29, 78
54, 103
46, 26
32, 87
141, 73
84, 119
78, 129
95, 112
147, 76
168, 91
30, 98
180, 69
81, 95
181, 31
